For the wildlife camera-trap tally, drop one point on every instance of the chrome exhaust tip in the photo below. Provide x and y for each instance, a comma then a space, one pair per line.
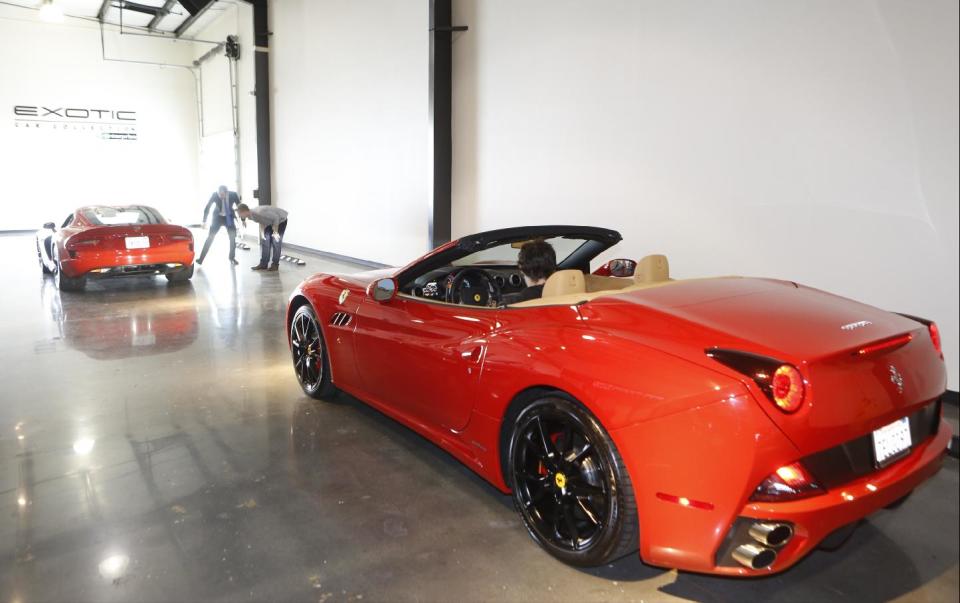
771, 534
754, 556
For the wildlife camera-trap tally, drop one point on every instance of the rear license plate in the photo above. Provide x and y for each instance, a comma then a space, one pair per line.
137, 242
892, 441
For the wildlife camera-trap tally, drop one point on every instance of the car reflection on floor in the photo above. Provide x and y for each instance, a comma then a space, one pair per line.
125, 319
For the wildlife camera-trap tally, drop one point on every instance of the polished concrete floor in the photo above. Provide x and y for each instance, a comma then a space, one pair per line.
155, 446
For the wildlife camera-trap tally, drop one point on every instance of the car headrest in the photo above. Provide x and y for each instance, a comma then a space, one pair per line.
652, 269
563, 282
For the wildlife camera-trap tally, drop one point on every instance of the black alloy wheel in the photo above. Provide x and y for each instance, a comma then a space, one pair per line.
310, 362
570, 485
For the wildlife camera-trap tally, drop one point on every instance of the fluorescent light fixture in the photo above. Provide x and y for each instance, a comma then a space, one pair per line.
50, 12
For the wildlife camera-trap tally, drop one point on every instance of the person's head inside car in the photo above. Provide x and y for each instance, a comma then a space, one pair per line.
537, 261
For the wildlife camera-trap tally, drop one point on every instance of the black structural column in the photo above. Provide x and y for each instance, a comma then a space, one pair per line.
261, 36
440, 115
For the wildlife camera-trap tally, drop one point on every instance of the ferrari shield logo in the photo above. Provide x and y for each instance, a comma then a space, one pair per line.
896, 378
344, 295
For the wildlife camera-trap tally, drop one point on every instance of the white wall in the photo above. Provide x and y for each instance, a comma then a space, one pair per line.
48, 172
814, 141
217, 158
349, 110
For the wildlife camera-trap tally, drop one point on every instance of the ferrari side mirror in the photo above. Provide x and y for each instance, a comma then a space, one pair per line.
383, 290
50, 226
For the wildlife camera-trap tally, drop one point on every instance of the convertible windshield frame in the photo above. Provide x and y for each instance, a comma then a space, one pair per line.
596, 241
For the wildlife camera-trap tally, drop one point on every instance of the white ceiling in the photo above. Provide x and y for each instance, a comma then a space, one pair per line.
91, 8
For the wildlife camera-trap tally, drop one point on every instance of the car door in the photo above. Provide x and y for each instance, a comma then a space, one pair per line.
423, 358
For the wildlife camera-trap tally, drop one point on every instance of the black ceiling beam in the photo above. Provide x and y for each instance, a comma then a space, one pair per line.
196, 9
102, 13
145, 9
163, 12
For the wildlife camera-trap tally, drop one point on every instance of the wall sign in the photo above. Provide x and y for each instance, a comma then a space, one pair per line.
106, 124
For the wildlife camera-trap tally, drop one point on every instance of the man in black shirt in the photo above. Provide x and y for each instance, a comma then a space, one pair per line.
537, 261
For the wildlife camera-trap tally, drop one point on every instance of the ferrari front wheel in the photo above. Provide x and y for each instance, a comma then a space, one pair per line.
570, 484
310, 361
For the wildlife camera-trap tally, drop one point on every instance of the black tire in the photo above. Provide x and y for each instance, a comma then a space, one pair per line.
180, 276
570, 485
311, 363
43, 265
67, 283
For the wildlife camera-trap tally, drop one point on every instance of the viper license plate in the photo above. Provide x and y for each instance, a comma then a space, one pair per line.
892, 441
137, 242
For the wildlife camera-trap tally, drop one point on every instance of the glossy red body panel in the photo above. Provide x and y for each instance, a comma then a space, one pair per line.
685, 424
109, 251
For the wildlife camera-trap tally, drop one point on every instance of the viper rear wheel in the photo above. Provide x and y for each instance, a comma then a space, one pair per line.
64, 282
310, 361
570, 485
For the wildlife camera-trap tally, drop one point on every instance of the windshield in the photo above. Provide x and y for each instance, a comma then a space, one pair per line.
111, 216
506, 254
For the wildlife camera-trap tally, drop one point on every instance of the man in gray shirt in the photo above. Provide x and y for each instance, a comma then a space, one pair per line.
273, 223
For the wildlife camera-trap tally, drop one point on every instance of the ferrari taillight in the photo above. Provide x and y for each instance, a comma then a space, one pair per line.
781, 382
789, 482
787, 388
935, 337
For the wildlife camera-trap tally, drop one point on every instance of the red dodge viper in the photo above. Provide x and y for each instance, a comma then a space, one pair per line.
721, 425
106, 241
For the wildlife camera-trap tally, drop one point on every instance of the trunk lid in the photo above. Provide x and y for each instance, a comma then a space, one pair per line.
848, 394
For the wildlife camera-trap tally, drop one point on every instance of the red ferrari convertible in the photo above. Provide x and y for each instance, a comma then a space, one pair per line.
106, 241
721, 425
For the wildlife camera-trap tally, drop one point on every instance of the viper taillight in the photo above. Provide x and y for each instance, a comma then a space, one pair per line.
789, 482
82, 243
780, 381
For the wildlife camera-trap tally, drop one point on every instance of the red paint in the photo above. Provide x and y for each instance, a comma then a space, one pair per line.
683, 422
83, 246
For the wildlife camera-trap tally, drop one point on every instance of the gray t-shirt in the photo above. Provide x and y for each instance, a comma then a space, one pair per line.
268, 215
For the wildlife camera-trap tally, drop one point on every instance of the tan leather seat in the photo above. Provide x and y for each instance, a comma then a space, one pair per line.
563, 282
652, 269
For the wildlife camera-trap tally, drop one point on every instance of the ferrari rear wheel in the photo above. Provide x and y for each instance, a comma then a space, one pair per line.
310, 361
570, 485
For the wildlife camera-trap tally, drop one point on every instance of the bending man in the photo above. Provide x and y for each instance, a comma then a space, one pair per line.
273, 223
224, 203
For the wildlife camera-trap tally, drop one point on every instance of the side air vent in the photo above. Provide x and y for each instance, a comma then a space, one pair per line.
340, 319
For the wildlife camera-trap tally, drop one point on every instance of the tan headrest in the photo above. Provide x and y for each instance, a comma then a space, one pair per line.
652, 269
563, 282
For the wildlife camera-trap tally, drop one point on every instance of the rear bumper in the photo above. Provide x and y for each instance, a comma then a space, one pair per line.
716, 455
110, 264
817, 517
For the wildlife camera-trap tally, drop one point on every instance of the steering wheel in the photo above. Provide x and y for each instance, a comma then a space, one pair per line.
472, 287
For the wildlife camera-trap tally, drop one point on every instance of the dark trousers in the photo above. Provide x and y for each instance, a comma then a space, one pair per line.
218, 222
268, 244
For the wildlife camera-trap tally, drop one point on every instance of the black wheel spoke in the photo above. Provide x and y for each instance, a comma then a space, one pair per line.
581, 488
588, 512
549, 449
571, 524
